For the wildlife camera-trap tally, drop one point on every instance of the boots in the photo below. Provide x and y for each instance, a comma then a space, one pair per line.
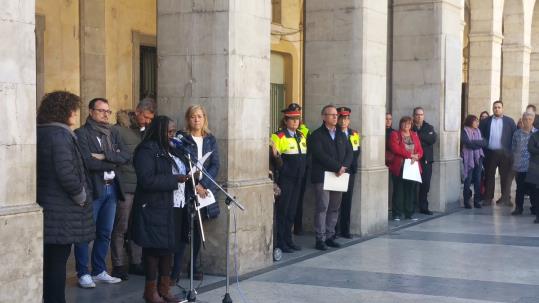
150, 293
164, 289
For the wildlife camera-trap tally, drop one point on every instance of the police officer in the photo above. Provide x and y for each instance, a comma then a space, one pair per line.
298, 223
355, 140
291, 145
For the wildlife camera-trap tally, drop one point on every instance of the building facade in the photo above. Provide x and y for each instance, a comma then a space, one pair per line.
243, 60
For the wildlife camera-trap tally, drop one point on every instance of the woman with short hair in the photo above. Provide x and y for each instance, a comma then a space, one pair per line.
472, 143
63, 189
404, 144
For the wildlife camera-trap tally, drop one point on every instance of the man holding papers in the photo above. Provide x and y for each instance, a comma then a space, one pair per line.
407, 151
331, 152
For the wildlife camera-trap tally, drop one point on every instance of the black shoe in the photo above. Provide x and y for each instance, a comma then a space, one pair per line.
286, 249
516, 212
136, 269
532, 211
293, 245
467, 205
332, 243
426, 212
477, 205
120, 273
320, 245
536, 221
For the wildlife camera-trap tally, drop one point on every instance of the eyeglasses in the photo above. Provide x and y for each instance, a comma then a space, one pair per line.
103, 111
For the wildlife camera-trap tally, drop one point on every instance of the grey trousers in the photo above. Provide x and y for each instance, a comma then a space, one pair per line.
121, 223
326, 211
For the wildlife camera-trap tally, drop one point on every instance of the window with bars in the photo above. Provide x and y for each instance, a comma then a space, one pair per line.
148, 71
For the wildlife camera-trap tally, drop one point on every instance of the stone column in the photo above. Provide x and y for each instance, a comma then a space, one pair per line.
21, 219
217, 54
427, 72
485, 55
345, 64
515, 79
92, 52
534, 77
484, 71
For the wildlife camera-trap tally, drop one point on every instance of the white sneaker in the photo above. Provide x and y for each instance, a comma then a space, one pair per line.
86, 282
104, 277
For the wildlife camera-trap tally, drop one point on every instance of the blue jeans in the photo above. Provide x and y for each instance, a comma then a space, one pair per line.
104, 212
474, 177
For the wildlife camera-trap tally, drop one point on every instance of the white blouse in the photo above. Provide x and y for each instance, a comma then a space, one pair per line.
179, 194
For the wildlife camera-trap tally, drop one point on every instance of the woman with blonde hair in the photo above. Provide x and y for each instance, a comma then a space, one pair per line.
202, 142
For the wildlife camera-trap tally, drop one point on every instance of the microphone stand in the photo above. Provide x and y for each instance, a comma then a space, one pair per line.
230, 202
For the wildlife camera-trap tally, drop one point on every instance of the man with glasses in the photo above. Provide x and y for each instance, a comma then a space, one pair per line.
103, 152
331, 152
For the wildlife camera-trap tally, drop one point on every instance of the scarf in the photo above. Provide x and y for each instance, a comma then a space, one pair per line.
105, 130
471, 157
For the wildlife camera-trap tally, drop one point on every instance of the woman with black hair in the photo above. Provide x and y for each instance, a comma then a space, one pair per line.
161, 176
63, 189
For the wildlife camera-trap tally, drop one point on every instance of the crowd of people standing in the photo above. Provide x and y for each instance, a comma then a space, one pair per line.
129, 186
121, 186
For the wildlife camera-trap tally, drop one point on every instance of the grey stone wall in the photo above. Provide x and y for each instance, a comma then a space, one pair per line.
20, 218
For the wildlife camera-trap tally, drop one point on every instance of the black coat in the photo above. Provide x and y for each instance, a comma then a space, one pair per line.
533, 170
427, 136
63, 187
113, 159
153, 220
328, 154
508, 130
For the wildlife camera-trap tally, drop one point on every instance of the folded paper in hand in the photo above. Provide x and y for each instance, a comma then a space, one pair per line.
411, 171
334, 183
210, 199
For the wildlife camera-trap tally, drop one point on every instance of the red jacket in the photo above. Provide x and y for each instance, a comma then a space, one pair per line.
396, 144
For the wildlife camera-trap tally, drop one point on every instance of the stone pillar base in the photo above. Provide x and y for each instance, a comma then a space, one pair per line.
21, 254
369, 209
445, 186
254, 231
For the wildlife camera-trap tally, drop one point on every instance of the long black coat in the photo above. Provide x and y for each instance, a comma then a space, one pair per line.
153, 221
533, 169
113, 159
427, 136
328, 154
63, 187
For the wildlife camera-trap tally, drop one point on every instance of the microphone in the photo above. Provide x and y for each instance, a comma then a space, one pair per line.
180, 142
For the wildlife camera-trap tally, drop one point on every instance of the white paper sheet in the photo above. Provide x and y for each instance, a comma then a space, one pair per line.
210, 199
334, 183
411, 171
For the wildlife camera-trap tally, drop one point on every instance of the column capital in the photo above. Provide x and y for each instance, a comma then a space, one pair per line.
486, 37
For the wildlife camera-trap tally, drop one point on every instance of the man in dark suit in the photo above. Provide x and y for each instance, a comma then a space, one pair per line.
498, 131
427, 136
103, 152
331, 152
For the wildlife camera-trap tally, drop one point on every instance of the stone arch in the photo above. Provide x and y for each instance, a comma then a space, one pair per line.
534, 59
517, 19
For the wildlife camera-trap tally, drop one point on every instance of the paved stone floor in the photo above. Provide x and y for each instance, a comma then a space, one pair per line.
472, 256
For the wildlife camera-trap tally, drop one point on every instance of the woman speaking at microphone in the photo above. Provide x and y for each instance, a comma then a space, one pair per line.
198, 141
161, 181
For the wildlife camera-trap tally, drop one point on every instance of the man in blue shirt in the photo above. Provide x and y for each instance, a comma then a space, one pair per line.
498, 130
